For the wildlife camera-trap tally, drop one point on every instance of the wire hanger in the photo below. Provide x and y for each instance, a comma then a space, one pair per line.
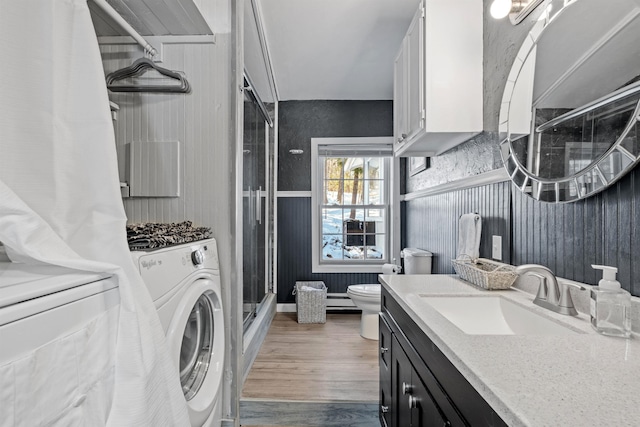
137, 69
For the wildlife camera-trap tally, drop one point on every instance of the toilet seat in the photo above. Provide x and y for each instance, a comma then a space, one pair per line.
366, 291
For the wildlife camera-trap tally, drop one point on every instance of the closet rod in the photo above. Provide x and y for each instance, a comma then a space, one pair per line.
109, 10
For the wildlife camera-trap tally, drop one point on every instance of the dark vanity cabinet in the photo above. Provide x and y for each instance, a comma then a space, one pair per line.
406, 385
385, 373
419, 387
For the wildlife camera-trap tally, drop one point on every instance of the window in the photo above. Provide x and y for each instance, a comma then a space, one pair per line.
351, 203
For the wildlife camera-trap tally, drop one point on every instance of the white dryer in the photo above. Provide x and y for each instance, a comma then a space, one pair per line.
184, 283
58, 331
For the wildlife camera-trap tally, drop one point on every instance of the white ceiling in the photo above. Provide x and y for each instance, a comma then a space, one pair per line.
334, 49
319, 49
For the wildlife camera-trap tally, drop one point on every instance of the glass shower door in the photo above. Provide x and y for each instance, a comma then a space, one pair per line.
254, 208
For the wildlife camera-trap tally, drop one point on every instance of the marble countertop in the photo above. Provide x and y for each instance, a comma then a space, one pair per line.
581, 379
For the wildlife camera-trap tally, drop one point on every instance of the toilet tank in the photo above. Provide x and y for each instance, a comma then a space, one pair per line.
416, 261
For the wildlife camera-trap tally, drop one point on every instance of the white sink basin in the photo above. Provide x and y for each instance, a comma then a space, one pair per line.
495, 315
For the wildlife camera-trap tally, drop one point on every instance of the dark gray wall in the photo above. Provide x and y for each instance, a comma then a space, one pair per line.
294, 252
567, 238
299, 121
433, 222
302, 120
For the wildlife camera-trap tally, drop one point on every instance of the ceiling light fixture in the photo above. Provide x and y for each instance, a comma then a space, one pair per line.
500, 8
517, 10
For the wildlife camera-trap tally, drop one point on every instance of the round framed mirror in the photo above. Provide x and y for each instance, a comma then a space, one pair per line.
570, 110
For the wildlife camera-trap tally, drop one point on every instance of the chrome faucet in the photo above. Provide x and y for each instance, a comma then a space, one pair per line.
551, 295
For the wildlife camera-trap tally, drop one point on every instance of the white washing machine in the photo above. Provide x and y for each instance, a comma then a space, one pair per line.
58, 330
184, 283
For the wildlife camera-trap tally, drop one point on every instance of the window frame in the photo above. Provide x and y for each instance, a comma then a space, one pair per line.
392, 223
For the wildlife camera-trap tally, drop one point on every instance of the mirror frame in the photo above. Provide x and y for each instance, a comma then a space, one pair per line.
586, 182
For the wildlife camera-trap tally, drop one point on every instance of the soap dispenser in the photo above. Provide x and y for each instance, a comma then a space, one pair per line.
610, 305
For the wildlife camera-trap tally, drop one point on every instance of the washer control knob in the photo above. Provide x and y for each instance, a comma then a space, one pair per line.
197, 258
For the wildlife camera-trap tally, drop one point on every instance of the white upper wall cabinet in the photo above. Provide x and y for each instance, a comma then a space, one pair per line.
399, 89
438, 78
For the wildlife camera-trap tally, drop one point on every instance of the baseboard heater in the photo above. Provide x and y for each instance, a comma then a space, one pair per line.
340, 301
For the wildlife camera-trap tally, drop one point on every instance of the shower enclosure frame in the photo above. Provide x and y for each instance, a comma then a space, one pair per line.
258, 178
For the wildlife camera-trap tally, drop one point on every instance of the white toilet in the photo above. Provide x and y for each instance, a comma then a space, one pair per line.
367, 297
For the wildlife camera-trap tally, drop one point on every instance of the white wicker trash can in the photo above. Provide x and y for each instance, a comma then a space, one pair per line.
311, 302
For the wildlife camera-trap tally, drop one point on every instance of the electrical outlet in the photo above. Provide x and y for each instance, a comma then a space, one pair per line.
496, 248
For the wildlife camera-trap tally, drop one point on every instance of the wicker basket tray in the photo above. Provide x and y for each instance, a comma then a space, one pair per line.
485, 273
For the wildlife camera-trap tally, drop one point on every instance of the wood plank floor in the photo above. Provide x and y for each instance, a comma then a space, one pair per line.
308, 414
328, 362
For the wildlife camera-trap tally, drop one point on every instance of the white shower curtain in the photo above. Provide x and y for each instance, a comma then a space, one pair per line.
60, 199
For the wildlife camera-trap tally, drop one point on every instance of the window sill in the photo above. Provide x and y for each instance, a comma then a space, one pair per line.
357, 268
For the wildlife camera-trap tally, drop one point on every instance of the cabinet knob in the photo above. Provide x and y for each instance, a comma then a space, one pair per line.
384, 409
406, 388
383, 350
413, 402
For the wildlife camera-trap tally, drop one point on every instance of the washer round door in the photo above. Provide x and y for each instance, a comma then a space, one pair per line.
196, 340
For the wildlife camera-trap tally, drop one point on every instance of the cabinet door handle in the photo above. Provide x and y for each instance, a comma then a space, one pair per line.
413, 402
406, 388
384, 409
383, 350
